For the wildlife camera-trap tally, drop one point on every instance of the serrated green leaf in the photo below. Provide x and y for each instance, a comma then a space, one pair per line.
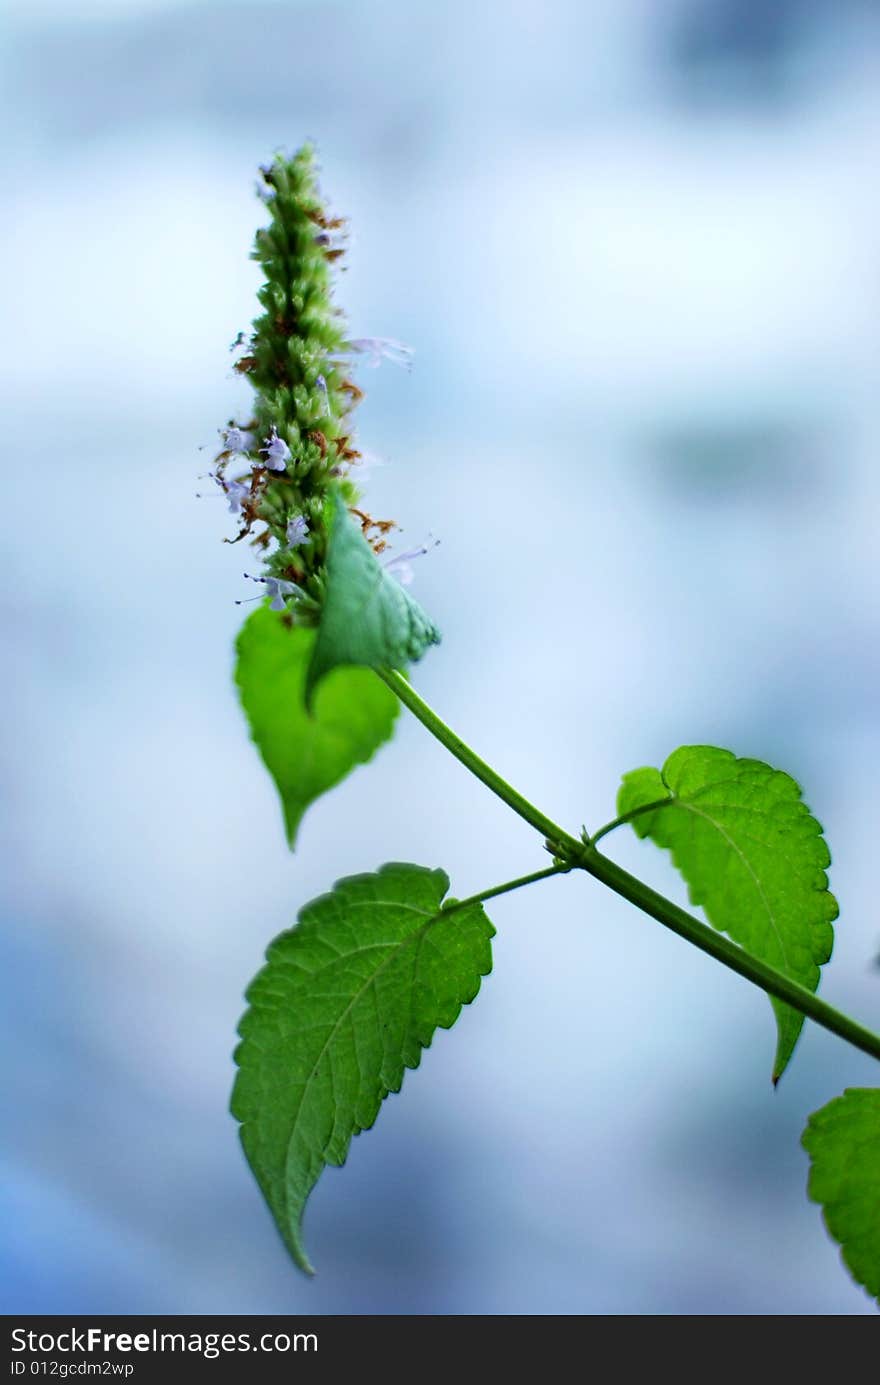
346, 1002
368, 618
306, 754
751, 855
843, 1142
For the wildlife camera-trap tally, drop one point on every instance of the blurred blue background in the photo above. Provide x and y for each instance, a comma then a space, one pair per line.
637, 250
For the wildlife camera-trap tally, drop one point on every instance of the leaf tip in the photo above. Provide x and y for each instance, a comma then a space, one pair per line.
292, 1239
293, 814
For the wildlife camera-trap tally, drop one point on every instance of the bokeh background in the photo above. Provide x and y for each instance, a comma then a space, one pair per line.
637, 250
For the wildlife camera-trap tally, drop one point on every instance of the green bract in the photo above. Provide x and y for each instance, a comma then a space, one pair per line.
368, 617
752, 856
345, 1004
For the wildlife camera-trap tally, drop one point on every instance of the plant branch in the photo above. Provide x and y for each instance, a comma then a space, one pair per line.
471, 760
584, 856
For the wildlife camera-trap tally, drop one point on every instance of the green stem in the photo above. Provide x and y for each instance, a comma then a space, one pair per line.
583, 855
628, 817
507, 887
774, 982
471, 760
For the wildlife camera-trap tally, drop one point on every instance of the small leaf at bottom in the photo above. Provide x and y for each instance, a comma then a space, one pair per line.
843, 1142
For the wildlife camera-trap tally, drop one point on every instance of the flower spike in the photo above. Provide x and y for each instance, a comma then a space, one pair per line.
299, 441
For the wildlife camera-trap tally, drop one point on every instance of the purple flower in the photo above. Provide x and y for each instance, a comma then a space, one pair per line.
237, 493
297, 531
277, 452
321, 387
401, 565
237, 440
402, 570
378, 349
278, 589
